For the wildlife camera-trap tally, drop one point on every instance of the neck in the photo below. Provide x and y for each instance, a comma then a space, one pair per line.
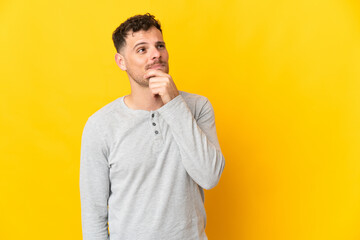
141, 98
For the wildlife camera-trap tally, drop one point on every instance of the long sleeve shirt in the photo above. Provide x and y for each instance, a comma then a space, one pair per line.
142, 173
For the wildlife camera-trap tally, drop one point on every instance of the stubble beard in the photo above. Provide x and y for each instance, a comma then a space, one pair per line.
144, 82
140, 80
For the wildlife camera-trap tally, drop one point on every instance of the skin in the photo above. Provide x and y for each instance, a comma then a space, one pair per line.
145, 60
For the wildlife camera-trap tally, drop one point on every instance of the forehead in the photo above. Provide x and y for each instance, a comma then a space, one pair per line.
152, 35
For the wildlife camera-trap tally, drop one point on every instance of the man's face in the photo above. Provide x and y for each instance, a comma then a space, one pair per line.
144, 50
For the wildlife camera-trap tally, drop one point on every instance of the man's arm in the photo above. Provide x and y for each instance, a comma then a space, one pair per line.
196, 139
94, 184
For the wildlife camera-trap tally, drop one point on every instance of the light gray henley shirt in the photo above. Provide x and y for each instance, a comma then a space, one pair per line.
142, 173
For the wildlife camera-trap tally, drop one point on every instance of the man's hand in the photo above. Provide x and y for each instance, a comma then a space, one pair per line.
162, 84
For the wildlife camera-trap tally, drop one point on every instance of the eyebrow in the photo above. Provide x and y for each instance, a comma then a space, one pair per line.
140, 43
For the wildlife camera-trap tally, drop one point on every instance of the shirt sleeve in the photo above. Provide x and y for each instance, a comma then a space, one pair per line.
197, 140
94, 184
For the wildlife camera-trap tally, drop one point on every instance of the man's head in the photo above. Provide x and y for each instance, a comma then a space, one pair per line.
132, 25
140, 47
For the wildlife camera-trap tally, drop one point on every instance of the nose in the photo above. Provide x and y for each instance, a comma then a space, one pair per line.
155, 53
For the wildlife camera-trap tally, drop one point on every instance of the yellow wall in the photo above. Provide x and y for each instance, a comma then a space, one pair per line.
283, 77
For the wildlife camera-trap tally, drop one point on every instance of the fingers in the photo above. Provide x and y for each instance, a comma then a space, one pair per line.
162, 84
160, 87
155, 73
157, 87
159, 80
157, 84
156, 91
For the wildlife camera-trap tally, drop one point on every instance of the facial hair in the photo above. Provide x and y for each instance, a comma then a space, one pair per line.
140, 80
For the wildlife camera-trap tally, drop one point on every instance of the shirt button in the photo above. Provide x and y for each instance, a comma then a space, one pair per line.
156, 132
152, 115
154, 124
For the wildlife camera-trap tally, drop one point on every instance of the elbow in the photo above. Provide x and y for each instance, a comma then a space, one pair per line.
209, 185
213, 177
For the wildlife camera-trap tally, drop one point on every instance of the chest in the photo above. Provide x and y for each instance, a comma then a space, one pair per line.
141, 145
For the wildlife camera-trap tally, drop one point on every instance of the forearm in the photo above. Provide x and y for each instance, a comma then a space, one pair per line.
94, 212
94, 184
199, 148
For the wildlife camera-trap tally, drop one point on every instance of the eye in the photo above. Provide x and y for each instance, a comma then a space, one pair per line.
160, 46
141, 50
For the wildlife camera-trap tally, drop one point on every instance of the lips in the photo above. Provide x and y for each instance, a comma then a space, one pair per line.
157, 66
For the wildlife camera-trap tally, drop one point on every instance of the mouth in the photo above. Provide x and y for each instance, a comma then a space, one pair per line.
157, 66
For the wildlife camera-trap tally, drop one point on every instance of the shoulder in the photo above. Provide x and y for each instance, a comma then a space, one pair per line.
102, 115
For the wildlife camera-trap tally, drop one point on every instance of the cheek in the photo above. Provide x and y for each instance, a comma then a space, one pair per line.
137, 63
165, 55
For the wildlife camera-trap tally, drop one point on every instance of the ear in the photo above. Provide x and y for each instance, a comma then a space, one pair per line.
120, 61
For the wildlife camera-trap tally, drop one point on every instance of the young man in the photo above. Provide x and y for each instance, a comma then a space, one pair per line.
146, 157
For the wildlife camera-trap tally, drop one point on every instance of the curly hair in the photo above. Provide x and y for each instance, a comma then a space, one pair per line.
134, 24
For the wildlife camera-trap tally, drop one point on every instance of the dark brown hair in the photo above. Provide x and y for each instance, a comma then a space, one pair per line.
134, 24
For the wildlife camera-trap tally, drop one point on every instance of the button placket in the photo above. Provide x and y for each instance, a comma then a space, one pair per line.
153, 123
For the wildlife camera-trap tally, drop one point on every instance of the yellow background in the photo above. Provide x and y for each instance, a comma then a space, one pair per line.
283, 77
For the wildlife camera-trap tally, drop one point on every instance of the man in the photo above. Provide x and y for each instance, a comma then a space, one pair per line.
146, 157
